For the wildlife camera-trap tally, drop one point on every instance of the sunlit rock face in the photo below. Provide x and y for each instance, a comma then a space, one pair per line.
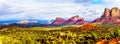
110, 16
59, 20
115, 12
106, 13
73, 20
76, 20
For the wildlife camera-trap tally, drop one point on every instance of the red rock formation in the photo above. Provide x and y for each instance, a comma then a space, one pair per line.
110, 16
59, 21
76, 20
106, 13
80, 21
73, 20
115, 12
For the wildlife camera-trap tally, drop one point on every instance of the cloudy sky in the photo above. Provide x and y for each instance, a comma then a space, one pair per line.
50, 9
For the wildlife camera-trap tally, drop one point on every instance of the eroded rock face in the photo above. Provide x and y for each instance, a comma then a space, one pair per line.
115, 12
106, 13
80, 21
110, 16
73, 20
59, 20
76, 20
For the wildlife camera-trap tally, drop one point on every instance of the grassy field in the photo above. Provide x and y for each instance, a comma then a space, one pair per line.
70, 34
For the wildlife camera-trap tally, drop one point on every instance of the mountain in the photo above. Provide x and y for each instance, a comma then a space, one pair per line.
110, 16
73, 20
76, 20
27, 21
59, 20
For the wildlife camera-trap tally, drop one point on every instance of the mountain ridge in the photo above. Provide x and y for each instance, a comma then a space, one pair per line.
73, 20
109, 16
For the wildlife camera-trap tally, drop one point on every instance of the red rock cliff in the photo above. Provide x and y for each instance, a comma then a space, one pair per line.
110, 16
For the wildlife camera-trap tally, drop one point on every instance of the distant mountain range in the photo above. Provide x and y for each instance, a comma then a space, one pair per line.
23, 21
109, 16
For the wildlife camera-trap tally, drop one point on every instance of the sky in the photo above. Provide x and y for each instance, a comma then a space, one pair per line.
50, 9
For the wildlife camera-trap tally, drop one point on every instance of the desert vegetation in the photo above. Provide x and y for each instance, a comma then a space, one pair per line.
85, 34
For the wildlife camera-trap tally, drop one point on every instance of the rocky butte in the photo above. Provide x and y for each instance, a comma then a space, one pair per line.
110, 16
73, 20
59, 20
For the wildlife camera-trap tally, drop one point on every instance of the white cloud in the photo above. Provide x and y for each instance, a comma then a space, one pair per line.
47, 9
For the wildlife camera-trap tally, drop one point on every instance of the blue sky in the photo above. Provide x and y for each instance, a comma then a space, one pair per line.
50, 9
